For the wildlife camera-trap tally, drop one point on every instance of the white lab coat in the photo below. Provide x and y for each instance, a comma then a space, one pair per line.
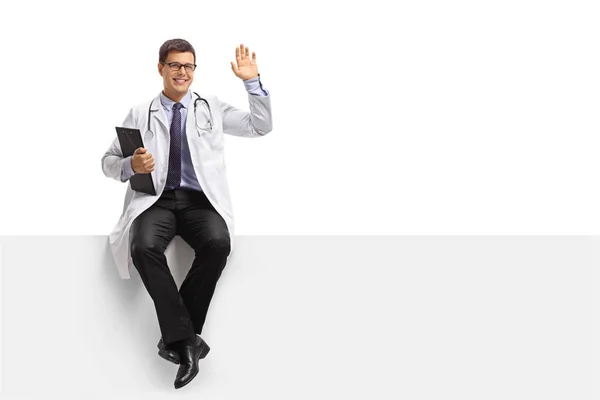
207, 157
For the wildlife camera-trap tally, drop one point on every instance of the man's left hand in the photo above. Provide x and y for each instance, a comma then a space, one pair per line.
246, 67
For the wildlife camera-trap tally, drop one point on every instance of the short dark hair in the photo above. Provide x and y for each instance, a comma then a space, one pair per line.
177, 45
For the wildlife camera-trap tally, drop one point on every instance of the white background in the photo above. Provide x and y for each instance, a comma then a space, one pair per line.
461, 117
596, 315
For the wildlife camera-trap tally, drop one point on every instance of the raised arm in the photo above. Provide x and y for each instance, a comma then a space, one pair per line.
257, 122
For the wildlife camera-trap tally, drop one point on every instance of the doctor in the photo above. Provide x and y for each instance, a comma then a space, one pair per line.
183, 152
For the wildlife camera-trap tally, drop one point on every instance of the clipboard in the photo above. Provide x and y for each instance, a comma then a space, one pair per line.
130, 140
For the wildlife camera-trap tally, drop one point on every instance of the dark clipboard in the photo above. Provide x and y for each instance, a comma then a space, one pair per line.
130, 140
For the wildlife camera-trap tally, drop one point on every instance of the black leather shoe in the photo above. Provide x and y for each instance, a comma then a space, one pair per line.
172, 355
167, 354
189, 354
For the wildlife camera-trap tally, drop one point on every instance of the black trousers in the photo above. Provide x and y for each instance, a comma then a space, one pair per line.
181, 313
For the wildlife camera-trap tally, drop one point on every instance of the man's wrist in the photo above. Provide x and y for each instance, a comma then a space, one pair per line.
254, 86
127, 171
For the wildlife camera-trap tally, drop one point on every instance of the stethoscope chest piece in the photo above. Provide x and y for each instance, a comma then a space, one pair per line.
148, 136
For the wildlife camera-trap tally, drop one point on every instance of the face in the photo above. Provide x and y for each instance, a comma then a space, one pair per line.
176, 83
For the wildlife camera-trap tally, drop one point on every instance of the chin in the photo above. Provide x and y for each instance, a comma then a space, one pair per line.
180, 89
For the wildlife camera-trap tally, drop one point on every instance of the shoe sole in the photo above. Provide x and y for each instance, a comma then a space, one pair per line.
167, 355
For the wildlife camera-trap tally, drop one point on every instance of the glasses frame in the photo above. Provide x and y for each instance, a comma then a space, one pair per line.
185, 66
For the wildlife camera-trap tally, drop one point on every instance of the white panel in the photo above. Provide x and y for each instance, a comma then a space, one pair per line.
312, 317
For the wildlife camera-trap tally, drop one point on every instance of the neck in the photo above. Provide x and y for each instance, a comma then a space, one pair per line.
176, 97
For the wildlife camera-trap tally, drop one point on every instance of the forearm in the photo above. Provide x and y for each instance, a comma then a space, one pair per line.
127, 169
116, 167
258, 121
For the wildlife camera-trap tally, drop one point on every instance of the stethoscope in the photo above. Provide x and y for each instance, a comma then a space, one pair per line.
208, 128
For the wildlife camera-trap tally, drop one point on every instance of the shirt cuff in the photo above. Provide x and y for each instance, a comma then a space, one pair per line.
254, 87
127, 170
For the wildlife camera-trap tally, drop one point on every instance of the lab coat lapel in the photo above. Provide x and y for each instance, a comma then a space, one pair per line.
160, 115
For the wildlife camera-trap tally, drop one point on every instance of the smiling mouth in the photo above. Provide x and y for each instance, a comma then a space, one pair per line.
180, 81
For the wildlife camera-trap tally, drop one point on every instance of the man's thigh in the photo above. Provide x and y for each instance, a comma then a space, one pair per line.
153, 229
199, 224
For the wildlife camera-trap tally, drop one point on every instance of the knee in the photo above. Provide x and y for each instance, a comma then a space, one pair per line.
143, 248
218, 245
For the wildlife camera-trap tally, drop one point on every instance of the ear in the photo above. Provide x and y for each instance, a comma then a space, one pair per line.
160, 68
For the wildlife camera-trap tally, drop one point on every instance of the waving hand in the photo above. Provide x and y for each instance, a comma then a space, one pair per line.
245, 67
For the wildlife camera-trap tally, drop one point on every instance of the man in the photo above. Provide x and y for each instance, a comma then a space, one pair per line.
183, 153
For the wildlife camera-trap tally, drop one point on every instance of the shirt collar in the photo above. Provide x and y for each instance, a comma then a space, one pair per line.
168, 104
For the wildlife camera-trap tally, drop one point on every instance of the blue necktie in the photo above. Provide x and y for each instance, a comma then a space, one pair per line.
174, 173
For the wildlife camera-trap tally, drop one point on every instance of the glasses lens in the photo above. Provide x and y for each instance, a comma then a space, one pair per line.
189, 67
175, 66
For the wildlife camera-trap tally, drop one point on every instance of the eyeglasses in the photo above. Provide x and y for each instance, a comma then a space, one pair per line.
175, 66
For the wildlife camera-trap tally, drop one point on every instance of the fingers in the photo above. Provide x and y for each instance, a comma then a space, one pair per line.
149, 165
245, 64
142, 161
144, 157
144, 166
242, 53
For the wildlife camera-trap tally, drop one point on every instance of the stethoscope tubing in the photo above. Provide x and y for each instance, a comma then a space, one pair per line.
198, 129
